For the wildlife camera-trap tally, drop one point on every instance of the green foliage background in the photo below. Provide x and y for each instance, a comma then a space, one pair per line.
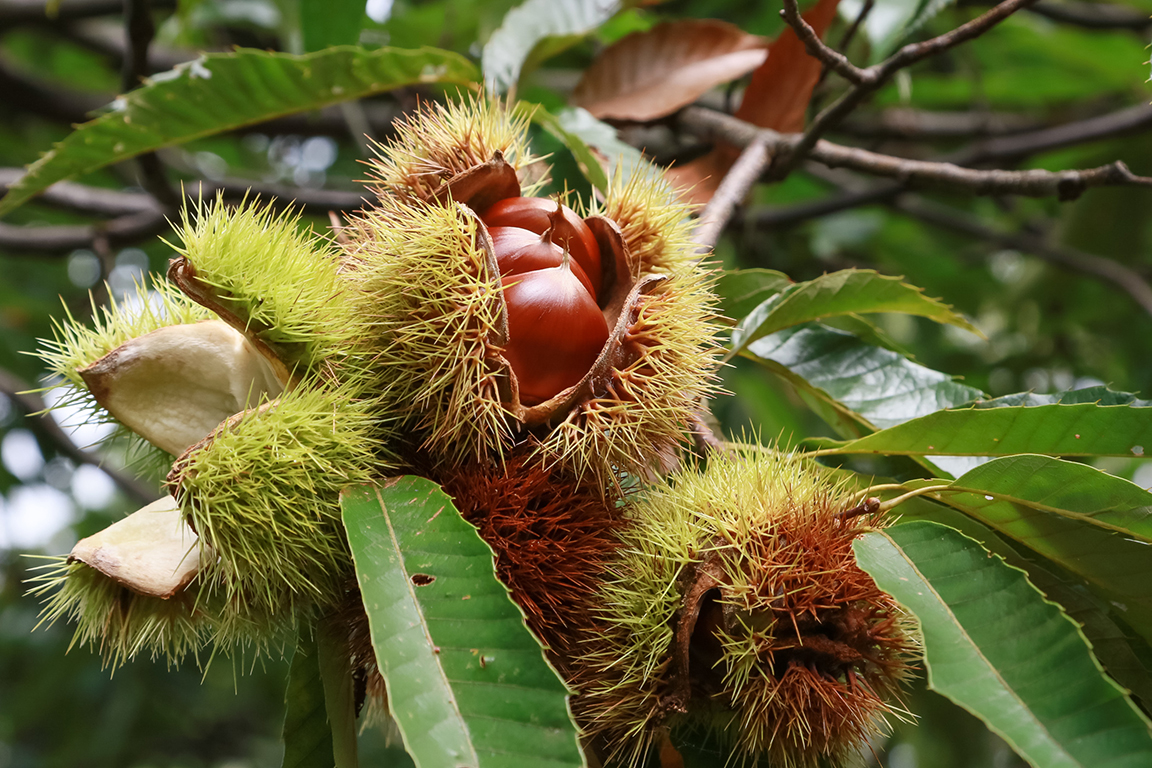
1048, 329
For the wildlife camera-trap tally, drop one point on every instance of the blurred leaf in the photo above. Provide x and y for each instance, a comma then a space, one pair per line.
553, 25
595, 145
576, 130
1084, 429
860, 386
307, 735
324, 23
650, 74
336, 673
223, 91
781, 87
849, 291
742, 290
993, 645
467, 682
777, 97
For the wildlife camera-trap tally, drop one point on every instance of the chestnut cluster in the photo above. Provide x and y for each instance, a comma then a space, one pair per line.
551, 272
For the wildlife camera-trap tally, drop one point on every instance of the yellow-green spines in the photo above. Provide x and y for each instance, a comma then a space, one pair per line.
262, 493
122, 625
435, 304
281, 281
737, 606
655, 222
440, 141
636, 426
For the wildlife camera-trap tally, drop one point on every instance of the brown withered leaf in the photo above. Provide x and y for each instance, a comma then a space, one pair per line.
650, 74
781, 87
776, 98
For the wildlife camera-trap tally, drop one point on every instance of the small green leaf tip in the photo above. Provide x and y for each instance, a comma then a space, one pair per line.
271, 279
262, 493
737, 607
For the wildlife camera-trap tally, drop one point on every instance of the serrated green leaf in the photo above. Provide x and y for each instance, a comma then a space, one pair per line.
307, 735
849, 291
1068, 489
1055, 509
532, 24
858, 387
467, 682
997, 648
1084, 429
1099, 395
742, 290
1119, 648
223, 91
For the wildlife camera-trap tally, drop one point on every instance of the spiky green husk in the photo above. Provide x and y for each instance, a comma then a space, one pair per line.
282, 282
262, 492
638, 424
121, 624
655, 222
764, 527
440, 141
435, 305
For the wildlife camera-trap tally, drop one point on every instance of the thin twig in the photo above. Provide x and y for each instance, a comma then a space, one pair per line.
139, 31
866, 81
745, 172
42, 423
140, 217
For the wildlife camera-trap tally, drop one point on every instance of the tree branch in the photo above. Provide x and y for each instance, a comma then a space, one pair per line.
1024, 144
139, 217
1065, 185
866, 81
42, 423
745, 172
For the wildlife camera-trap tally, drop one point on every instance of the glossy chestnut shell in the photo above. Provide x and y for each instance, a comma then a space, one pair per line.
568, 230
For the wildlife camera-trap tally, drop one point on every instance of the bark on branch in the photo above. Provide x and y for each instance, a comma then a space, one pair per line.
1065, 185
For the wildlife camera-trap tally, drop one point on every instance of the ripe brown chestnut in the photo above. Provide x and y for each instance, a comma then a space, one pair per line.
555, 331
520, 250
539, 214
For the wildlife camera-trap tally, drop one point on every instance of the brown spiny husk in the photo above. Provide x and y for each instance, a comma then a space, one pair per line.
736, 606
553, 536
